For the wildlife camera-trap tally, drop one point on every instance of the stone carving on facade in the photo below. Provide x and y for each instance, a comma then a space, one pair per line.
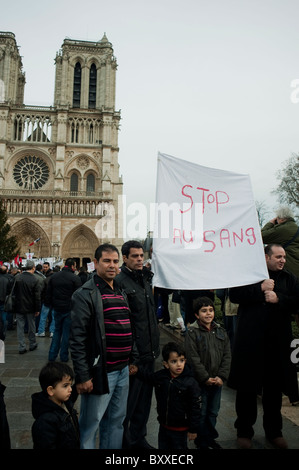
97, 154
59, 175
69, 153
83, 162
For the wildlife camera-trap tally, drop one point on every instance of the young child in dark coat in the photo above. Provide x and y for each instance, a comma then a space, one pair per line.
178, 398
56, 420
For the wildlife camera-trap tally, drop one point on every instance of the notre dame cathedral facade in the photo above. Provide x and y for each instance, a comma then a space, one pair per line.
59, 171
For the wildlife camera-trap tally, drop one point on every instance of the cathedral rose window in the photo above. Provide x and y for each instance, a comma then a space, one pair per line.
31, 172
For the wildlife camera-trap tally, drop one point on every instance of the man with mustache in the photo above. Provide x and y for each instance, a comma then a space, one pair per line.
101, 343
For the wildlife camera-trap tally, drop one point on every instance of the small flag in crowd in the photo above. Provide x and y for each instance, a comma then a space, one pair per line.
17, 260
35, 241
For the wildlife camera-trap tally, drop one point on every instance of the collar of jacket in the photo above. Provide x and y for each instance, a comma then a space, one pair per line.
196, 324
102, 283
39, 274
138, 273
90, 284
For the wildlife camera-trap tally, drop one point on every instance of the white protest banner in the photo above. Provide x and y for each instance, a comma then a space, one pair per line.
59, 263
206, 232
90, 267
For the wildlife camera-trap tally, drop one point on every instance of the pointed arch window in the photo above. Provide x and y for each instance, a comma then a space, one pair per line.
90, 134
92, 87
74, 183
77, 86
74, 132
90, 183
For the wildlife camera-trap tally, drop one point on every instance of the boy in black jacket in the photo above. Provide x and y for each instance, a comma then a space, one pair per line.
178, 398
56, 421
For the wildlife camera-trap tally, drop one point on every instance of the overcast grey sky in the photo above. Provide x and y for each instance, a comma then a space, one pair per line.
208, 81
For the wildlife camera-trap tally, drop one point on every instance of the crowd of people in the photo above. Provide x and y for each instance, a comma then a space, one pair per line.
107, 323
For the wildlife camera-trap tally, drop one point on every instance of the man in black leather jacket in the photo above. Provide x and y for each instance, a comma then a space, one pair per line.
101, 344
136, 281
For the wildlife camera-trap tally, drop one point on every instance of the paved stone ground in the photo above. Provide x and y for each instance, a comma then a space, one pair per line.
20, 373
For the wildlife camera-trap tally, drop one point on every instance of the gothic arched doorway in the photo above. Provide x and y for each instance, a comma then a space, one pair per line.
80, 244
26, 231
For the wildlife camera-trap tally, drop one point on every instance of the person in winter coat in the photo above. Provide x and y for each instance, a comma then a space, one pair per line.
261, 362
83, 275
136, 282
56, 422
60, 289
284, 231
28, 305
209, 354
5, 288
178, 398
44, 272
281, 230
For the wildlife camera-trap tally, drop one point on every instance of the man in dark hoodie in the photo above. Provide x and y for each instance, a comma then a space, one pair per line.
60, 289
56, 422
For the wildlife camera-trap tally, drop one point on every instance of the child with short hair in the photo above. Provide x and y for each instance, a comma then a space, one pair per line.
209, 354
56, 421
178, 398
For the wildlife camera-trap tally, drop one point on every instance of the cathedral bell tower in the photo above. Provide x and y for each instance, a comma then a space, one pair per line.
12, 78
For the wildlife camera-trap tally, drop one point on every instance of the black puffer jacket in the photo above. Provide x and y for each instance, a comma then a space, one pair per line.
60, 289
138, 290
54, 428
178, 399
